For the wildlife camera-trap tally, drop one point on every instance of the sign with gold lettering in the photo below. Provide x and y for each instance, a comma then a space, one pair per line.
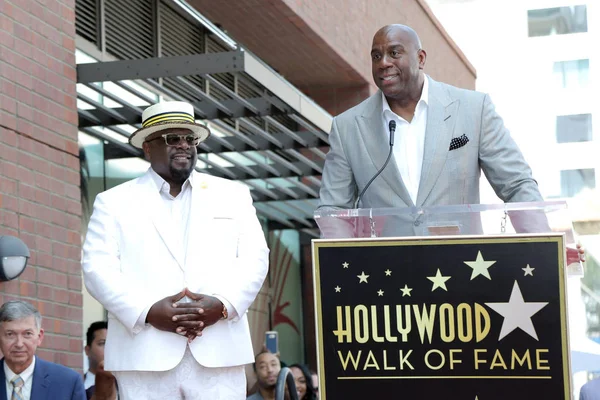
474, 318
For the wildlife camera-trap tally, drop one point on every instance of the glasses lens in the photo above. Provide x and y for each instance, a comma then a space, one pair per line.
192, 140
172, 140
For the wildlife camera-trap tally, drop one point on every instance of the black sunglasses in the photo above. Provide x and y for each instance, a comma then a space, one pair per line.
173, 139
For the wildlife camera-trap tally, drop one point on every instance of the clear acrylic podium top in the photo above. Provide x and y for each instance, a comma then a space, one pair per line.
466, 219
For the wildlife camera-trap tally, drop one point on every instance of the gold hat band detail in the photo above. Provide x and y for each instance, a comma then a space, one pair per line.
171, 117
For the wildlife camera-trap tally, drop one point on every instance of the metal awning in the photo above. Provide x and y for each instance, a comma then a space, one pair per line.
266, 133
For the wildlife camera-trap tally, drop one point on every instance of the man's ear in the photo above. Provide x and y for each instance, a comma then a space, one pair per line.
41, 337
422, 56
87, 350
146, 148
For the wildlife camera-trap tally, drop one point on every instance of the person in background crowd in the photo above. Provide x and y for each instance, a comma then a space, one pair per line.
25, 376
266, 367
304, 382
591, 390
94, 349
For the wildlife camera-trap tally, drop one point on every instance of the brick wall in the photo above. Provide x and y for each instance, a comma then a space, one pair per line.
356, 22
39, 166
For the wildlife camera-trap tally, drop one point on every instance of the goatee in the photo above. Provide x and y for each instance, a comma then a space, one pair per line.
180, 175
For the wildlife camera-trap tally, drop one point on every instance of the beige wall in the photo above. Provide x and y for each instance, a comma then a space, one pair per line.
323, 47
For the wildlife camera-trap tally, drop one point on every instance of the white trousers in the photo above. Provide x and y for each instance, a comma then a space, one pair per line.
187, 381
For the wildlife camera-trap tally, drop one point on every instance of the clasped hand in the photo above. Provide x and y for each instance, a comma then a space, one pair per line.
186, 319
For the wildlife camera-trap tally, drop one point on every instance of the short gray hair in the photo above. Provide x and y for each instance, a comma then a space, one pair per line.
17, 309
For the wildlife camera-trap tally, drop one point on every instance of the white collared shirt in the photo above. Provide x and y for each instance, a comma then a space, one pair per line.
178, 209
409, 141
89, 380
27, 377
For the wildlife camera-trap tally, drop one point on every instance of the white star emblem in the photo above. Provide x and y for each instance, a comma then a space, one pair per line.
338, 289
363, 278
438, 280
345, 265
517, 313
406, 291
480, 266
388, 272
380, 292
528, 270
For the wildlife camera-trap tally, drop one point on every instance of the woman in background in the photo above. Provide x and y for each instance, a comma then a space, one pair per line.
304, 385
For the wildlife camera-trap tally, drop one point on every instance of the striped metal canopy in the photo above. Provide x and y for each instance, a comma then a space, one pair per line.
266, 133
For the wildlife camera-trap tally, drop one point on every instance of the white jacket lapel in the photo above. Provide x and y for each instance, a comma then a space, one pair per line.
159, 218
199, 216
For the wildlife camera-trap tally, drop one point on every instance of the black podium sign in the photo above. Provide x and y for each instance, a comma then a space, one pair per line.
442, 318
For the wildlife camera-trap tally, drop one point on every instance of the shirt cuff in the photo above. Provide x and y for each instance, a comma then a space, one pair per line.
231, 312
141, 322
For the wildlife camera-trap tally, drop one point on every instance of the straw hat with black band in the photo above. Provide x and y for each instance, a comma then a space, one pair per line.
168, 115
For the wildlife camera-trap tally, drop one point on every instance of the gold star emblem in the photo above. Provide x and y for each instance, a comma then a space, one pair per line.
388, 272
363, 278
439, 281
203, 185
406, 291
380, 292
338, 289
480, 266
345, 265
528, 270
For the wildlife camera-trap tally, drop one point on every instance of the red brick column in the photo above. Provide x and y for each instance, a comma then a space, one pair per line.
39, 166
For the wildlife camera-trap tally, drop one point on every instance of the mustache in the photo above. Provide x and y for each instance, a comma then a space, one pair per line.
182, 153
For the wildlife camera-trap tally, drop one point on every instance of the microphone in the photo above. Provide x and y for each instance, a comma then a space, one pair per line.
392, 128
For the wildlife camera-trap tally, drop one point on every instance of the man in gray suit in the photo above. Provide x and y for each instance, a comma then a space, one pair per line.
591, 390
444, 137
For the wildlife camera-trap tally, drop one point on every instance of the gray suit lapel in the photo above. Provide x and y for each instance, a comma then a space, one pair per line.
376, 139
441, 116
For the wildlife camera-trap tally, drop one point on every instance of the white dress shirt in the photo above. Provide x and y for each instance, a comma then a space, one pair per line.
89, 380
178, 209
27, 377
409, 141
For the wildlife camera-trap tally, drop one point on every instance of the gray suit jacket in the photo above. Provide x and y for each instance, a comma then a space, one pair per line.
360, 144
590, 391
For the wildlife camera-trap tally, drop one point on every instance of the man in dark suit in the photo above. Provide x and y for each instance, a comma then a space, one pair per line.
24, 375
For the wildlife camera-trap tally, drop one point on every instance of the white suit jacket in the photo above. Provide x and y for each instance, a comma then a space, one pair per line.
130, 261
360, 144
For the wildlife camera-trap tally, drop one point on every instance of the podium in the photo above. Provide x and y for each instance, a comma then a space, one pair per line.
449, 302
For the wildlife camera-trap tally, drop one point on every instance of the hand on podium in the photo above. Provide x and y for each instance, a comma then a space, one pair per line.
575, 255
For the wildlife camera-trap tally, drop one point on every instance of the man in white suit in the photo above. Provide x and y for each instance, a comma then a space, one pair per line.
176, 257
444, 137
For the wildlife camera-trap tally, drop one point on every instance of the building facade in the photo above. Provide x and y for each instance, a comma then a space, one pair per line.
267, 76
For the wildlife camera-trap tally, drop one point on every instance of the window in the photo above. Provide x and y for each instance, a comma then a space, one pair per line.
573, 181
574, 128
557, 21
571, 74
